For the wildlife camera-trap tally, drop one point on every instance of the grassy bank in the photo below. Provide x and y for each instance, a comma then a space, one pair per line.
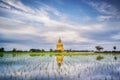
57, 53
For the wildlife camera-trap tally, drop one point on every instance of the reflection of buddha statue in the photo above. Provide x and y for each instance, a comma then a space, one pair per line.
59, 46
59, 60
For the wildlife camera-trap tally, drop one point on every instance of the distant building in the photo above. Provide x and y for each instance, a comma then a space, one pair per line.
59, 46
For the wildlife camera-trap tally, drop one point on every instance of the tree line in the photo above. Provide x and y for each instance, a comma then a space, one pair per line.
98, 48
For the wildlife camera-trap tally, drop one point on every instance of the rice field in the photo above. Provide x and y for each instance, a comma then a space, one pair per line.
82, 67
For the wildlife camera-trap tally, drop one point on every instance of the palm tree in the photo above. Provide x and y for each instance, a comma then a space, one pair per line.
114, 47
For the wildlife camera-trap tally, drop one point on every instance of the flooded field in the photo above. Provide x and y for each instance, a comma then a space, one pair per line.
82, 67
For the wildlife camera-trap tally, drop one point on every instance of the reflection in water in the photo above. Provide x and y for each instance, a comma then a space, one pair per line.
59, 60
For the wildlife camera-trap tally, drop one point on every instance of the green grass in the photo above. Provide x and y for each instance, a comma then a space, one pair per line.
37, 54
64, 53
56, 53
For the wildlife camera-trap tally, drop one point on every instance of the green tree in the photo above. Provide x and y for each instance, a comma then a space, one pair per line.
1, 49
51, 50
99, 48
43, 50
14, 50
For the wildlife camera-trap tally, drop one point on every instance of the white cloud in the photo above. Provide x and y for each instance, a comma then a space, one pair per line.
104, 18
108, 11
116, 37
40, 15
10, 46
67, 36
4, 6
104, 7
17, 4
39, 24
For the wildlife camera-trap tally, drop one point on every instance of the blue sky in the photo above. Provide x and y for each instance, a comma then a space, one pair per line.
82, 24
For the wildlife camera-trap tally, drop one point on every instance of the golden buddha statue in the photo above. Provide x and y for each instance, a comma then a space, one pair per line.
59, 60
59, 46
